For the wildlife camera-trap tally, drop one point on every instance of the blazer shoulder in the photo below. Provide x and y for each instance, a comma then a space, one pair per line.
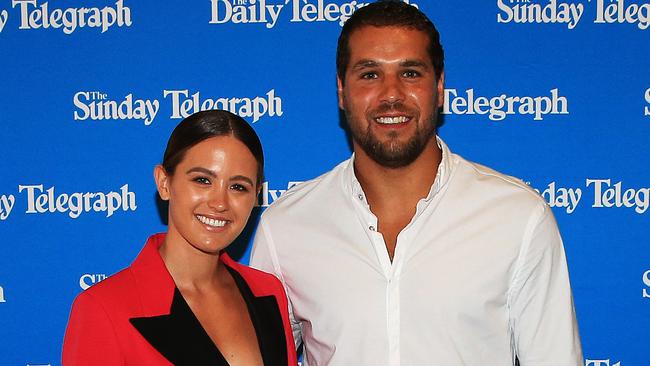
115, 292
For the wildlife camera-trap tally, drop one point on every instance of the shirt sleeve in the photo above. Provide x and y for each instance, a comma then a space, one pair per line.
542, 315
90, 337
264, 257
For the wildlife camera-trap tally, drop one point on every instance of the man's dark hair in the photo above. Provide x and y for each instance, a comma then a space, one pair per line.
389, 13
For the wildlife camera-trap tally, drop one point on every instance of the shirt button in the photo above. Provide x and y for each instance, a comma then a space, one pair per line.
372, 228
360, 197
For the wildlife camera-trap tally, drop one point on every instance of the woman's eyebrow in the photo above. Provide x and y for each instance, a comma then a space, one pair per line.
198, 169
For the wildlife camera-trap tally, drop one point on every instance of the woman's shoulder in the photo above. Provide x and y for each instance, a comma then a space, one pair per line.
116, 291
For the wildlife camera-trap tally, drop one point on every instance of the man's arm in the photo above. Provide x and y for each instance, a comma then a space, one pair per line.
264, 257
542, 315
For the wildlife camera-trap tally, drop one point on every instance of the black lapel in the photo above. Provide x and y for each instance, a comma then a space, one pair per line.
267, 321
179, 336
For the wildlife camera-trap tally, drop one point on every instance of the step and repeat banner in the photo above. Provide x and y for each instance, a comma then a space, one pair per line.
555, 92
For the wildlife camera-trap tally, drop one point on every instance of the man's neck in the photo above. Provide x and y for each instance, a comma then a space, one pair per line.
393, 193
406, 184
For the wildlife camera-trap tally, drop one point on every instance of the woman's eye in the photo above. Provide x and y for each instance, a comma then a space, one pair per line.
239, 188
202, 180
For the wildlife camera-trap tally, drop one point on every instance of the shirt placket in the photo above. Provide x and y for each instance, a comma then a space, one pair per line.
391, 275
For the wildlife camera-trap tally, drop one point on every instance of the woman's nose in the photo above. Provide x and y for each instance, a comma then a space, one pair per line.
218, 199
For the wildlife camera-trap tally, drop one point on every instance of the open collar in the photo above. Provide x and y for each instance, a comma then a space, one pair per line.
444, 171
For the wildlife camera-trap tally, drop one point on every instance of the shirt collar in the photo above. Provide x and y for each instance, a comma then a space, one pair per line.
442, 176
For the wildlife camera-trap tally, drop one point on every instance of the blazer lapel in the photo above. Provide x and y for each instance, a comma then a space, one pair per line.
166, 321
267, 321
168, 324
179, 336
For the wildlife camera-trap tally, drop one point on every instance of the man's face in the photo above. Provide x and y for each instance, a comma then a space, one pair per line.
391, 96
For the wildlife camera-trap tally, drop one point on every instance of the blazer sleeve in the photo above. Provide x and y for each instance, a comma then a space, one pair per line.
90, 337
281, 298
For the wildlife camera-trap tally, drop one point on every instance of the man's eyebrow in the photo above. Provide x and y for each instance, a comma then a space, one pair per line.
198, 169
364, 63
414, 63
368, 63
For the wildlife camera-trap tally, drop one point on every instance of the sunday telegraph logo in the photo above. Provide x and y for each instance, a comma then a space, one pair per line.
41, 200
497, 108
32, 14
100, 106
600, 193
2, 295
646, 283
87, 280
646, 109
268, 12
570, 13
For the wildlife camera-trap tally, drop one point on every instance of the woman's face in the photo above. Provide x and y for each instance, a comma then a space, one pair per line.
211, 193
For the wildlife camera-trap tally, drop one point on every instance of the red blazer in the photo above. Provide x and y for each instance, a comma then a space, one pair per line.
138, 317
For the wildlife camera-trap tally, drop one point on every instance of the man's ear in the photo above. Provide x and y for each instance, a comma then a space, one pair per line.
162, 182
441, 90
339, 91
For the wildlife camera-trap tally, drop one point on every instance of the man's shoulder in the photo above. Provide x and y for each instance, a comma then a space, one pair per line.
314, 192
491, 182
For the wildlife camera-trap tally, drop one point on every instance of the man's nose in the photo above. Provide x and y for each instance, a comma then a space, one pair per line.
392, 89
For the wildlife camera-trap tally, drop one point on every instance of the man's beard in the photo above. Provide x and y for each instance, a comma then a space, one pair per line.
392, 153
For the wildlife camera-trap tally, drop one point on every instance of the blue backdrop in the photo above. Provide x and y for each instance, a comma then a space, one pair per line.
554, 92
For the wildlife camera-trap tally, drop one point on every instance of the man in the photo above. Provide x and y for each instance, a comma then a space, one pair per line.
407, 254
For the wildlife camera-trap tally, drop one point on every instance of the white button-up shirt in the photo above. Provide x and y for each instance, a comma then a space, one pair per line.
479, 275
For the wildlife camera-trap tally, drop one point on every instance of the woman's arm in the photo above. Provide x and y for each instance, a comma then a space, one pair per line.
90, 337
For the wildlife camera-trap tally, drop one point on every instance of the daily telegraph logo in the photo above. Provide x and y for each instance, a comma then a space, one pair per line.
602, 194
646, 109
601, 363
2, 295
99, 106
35, 15
268, 12
267, 195
44, 201
570, 13
497, 108
646, 283
88, 280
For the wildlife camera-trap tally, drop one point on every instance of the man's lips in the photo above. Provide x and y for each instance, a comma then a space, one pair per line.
392, 120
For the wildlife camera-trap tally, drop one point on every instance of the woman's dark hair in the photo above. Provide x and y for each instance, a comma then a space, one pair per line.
203, 125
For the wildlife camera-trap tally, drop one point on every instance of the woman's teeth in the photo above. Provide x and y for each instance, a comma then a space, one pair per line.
211, 222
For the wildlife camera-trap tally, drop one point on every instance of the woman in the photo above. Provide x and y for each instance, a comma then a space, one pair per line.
183, 301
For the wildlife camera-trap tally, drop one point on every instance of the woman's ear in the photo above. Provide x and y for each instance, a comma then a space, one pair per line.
162, 182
